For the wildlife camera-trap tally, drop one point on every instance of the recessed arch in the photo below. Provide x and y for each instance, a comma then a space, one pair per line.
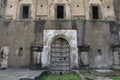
70, 36
60, 36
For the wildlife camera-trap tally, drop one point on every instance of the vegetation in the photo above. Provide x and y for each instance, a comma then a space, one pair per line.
92, 74
116, 78
60, 77
89, 73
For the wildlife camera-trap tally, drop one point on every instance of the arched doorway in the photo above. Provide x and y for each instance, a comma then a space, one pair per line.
60, 56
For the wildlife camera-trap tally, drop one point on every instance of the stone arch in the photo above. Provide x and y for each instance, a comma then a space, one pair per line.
70, 36
60, 36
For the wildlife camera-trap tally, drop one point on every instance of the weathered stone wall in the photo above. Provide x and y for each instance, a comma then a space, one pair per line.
46, 9
117, 8
16, 34
78, 9
13, 8
0, 7
42, 9
117, 13
3, 6
97, 35
106, 8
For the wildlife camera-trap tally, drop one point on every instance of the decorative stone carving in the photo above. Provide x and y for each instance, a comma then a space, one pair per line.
84, 57
4, 57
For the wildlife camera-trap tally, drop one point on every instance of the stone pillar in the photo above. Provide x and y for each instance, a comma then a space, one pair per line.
35, 62
4, 57
116, 57
36, 56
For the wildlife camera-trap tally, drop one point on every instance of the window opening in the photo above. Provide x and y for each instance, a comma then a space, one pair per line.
25, 12
60, 12
95, 12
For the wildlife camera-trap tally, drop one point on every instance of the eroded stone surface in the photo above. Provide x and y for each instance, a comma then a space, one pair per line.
4, 57
84, 58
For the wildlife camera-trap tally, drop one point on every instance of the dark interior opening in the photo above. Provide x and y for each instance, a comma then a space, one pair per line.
25, 12
20, 52
99, 51
95, 12
60, 73
60, 12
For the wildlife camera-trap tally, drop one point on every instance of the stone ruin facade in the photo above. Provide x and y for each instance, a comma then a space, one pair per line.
61, 35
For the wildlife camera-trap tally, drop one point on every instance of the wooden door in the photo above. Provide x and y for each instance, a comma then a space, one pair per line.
60, 56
